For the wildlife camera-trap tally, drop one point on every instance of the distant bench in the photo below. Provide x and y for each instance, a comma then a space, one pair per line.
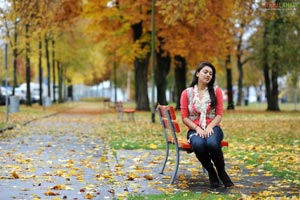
170, 128
129, 111
106, 103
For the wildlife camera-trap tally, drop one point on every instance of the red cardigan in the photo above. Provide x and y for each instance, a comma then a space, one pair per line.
184, 102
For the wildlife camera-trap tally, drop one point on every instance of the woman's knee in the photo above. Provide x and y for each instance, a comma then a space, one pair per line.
198, 144
213, 146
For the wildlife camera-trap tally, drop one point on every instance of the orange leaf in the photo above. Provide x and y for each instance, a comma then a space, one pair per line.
50, 193
15, 175
148, 177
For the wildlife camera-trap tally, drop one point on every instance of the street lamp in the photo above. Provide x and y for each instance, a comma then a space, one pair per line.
153, 61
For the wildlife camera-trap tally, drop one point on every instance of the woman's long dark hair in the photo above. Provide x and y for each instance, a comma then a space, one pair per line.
210, 85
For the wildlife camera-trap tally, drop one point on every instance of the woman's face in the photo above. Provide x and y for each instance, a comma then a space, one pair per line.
205, 75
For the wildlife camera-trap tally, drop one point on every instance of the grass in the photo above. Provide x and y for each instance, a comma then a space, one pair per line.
186, 195
28, 113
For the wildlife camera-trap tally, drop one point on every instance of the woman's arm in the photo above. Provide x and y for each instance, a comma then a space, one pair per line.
212, 124
219, 112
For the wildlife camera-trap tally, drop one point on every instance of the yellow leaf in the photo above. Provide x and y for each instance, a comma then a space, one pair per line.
89, 196
131, 177
181, 177
152, 146
102, 159
89, 187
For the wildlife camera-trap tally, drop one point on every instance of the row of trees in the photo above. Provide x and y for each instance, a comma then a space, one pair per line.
39, 35
98, 37
190, 31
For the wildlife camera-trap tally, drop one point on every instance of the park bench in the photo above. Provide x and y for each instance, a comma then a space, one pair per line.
106, 103
129, 111
170, 128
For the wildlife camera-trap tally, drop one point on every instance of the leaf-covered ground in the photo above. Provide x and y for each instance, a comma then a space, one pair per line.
88, 153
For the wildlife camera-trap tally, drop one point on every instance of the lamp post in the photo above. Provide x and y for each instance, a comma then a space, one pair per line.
152, 61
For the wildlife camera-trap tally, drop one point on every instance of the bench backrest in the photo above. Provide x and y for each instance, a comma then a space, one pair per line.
168, 121
119, 106
168, 118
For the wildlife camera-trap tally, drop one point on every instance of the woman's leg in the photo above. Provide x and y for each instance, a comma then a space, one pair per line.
199, 146
214, 142
215, 150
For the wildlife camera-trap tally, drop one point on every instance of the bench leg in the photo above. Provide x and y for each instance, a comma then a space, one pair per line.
176, 166
131, 116
166, 158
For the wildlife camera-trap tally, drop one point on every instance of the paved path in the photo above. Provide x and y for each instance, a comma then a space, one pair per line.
61, 157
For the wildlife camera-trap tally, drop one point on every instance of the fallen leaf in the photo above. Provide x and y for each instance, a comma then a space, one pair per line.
15, 175
89, 196
152, 146
148, 177
58, 187
50, 193
131, 176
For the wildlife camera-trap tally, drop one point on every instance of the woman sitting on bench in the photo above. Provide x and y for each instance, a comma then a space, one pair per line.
201, 107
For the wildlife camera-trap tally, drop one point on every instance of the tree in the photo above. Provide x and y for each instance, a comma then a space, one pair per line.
180, 78
11, 20
278, 26
244, 19
162, 69
192, 33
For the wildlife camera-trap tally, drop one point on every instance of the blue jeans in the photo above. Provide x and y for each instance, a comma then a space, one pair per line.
207, 147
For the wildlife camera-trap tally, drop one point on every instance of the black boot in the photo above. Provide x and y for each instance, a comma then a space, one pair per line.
213, 177
220, 166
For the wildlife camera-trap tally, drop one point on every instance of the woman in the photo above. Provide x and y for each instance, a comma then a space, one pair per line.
201, 111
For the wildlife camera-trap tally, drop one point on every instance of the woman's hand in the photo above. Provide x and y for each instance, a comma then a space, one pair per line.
209, 130
202, 133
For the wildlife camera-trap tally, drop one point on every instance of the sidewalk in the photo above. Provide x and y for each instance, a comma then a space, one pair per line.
61, 157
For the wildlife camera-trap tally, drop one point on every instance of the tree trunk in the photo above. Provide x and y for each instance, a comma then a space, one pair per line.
240, 83
141, 72
53, 71
267, 83
274, 106
60, 81
230, 105
274, 94
141, 87
40, 73
27, 49
48, 65
265, 64
271, 83
180, 78
161, 72
240, 71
